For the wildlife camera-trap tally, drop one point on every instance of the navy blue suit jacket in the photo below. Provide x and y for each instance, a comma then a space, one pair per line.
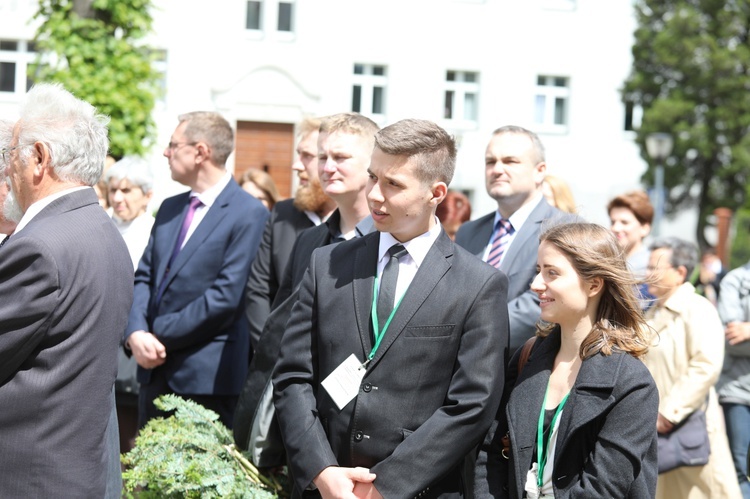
200, 317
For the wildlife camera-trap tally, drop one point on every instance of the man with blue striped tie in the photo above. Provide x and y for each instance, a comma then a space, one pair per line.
509, 237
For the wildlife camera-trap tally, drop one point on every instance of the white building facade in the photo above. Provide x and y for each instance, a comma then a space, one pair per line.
553, 66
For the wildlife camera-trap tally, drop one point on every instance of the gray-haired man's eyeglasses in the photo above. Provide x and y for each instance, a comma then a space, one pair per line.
5, 152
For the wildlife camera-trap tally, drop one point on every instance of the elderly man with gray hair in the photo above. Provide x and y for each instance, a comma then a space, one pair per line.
60, 322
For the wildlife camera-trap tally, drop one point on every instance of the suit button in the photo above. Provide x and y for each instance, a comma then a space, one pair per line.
358, 436
367, 387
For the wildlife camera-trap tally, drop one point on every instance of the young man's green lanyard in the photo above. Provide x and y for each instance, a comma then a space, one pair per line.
542, 447
379, 334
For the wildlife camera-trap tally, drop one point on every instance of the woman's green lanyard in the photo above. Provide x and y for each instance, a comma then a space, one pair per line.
375, 325
541, 456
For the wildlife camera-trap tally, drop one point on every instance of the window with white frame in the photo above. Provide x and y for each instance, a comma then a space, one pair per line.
461, 102
270, 15
15, 58
552, 102
368, 90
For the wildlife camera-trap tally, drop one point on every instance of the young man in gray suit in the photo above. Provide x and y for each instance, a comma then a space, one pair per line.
508, 238
67, 288
391, 368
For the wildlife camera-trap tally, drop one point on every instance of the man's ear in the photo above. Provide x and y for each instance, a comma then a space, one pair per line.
439, 191
204, 152
540, 171
42, 158
682, 270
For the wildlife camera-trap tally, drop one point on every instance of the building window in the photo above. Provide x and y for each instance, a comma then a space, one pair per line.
368, 90
285, 16
267, 15
551, 103
461, 101
15, 58
254, 15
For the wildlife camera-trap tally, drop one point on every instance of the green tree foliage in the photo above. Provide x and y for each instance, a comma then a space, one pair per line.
691, 75
191, 455
95, 49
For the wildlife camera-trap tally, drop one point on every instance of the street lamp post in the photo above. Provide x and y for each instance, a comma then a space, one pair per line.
659, 147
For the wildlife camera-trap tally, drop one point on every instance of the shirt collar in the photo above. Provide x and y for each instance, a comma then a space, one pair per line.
518, 218
38, 206
417, 247
208, 197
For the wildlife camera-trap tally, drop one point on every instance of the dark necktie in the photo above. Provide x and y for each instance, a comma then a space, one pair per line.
500, 242
194, 204
387, 292
5, 240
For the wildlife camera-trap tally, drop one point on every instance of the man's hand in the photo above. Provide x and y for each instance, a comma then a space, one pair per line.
737, 332
663, 425
147, 350
338, 483
366, 491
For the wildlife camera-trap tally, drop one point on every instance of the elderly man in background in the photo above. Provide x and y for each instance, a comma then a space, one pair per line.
60, 320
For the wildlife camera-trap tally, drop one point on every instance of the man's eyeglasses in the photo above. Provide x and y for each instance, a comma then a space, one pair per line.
5, 152
173, 146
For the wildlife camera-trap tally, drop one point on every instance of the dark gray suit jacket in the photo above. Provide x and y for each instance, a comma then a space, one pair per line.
283, 227
519, 264
606, 444
429, 393
67, 286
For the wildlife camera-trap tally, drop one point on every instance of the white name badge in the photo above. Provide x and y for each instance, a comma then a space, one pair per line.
343, 383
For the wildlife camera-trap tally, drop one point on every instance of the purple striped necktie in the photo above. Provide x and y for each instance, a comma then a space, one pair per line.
500, 241
194, 204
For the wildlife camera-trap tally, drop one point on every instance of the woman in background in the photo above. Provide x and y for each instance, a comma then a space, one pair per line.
685, 359
260, 185
453, 211
558, 194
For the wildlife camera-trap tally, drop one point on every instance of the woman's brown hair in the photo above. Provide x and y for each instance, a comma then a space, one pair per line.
594, 253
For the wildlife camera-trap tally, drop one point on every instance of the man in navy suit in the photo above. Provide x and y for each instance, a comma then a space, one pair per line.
514, 171
388, 403
186, 328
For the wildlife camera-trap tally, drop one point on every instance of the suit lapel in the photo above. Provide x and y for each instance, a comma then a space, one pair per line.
365, 265
210, 221
170, 229
481, 238
433, 268
529, 230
